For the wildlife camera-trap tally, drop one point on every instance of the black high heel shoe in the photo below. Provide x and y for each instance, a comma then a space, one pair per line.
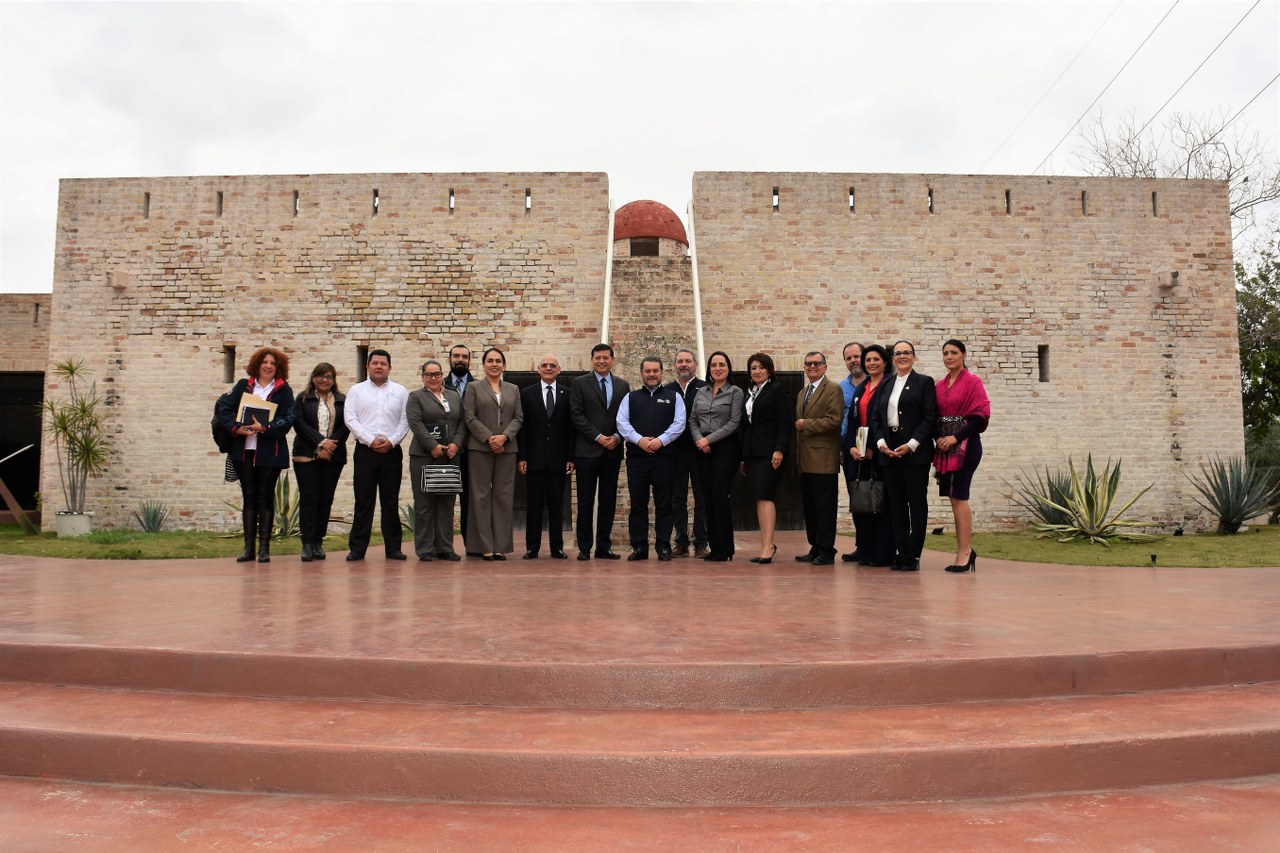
764, 561
971, 566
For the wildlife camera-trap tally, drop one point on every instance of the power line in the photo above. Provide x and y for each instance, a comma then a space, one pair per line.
1053, 84
1108, 86
1198, 67
1229, 121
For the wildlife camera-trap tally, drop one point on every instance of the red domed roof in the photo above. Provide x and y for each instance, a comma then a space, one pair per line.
647, 219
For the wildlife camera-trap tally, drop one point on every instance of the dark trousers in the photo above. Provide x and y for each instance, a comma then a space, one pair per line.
907, 489
317, 481
465, 496
376, 478
257, 485
820, 497
686, 474
875, 536
596, 473
544, 490
650, 474
717, 470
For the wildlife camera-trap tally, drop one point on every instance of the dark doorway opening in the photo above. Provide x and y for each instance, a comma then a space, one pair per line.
20, 397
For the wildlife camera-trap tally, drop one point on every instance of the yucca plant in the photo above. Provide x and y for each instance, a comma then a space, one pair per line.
288, 510
1053, 483
1088, 505
1235, 491
151, 516
407, 517
78, 427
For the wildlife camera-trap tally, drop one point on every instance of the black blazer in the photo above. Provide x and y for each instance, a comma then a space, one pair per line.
591, 417
685, 441
917, 411
306, 427
771, 426
545, 443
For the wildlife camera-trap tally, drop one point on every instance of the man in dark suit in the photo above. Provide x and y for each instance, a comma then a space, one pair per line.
818, 409
902, 418
545, 443
458, 379
593, 407
686, 384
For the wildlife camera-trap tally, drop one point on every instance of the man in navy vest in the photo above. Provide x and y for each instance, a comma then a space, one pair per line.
650, 419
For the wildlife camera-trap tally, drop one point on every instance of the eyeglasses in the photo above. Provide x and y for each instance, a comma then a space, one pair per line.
903, 353
814, 363
431, 373
328, 376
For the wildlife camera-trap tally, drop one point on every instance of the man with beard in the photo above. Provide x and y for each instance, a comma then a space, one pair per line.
650, 419
853, 361
686, 384
459, 379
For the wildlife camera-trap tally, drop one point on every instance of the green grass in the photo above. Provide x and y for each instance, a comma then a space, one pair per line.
136, 545
1253, 547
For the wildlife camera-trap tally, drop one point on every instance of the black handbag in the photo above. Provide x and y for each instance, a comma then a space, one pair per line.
443, 479
866, 497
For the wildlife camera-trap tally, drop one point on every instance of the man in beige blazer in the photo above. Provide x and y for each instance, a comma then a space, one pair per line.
818, 409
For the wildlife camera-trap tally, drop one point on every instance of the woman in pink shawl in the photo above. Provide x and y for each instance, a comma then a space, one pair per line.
963, 413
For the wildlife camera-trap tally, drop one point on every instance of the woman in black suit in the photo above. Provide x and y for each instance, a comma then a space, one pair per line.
875, 532
902, 420
319, 454
767, 427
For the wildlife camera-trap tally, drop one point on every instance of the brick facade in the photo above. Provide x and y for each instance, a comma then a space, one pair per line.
24, 328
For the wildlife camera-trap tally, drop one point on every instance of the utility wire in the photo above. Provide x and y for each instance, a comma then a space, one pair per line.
1198, 67
1229, 121
1052, 85
1108, 86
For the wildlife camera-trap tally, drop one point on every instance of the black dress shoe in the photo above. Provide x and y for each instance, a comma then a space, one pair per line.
530, 555
853, 557
824, 560
907, 566
719, 558
583, 555
636, 556
424, 558
607, 555
559, 555
664, 556
805, 558
396, 555
353, 557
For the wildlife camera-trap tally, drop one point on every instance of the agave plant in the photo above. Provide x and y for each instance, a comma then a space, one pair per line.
151, 516
1053, 483
1235, 491
407, 517
288, 510
1088, 505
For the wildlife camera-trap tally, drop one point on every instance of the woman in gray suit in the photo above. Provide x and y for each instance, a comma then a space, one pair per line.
493, 414
439, 433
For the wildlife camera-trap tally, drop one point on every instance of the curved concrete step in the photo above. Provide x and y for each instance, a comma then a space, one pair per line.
640, 758
639, 685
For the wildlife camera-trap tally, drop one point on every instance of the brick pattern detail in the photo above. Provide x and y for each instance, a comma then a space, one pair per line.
24, 329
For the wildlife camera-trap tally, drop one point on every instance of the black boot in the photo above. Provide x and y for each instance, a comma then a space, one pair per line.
249, 518
266, 520
308, 552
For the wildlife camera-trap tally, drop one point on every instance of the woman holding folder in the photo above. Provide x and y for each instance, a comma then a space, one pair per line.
259, 414
875, 534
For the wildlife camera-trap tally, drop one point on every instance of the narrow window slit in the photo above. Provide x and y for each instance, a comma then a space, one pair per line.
375, 202
228, 362
528, 199
1008, 201
1042, 359
852, 201
296, 203
1155, 208
146, 205
217, 204
1084, 202
931, 199
775, 199
362, 362
452, 202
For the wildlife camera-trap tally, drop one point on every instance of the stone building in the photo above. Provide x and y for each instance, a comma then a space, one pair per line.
1100, 312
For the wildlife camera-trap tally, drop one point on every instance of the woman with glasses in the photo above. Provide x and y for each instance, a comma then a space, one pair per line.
439, 433
875, 533
494, 414
713, 424
319, 454
902, 421
963, 412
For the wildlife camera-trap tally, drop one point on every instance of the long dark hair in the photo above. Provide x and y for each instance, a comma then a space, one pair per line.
727, 361
320, 370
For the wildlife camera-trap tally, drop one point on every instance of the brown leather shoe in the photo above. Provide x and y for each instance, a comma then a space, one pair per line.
680, 551
701, 552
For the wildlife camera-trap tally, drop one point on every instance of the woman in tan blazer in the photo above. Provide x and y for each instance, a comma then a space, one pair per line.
439, 434
493, 416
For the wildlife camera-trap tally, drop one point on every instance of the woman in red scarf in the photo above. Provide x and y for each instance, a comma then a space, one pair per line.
963, 413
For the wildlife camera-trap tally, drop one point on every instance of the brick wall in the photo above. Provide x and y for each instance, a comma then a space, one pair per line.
24, 332
1140, 368
152, 281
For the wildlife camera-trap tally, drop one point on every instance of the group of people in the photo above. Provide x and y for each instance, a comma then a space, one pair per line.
884, 424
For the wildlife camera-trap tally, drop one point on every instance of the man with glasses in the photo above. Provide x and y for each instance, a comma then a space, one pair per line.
818, 409
544, 457
685, 478
852, 361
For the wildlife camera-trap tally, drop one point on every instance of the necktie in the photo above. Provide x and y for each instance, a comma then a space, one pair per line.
604, 391
807, 395
551, 401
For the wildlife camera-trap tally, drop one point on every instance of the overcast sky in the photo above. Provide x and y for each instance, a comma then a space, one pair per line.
647, 92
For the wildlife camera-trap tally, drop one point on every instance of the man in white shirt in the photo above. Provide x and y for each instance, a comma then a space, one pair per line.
376, 415
650, 419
